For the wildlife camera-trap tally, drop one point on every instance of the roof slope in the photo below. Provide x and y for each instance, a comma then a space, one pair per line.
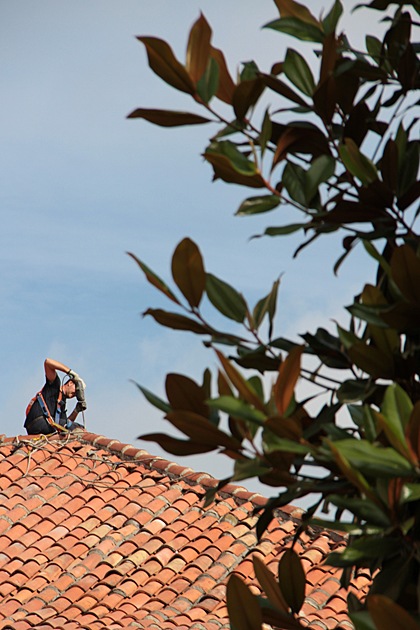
97, 534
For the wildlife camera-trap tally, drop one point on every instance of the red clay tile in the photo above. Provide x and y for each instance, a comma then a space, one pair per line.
127, 541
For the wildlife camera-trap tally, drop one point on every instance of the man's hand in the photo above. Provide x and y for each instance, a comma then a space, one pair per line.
81, 406
76, 378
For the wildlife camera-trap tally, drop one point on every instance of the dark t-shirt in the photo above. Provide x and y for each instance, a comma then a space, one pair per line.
50, 393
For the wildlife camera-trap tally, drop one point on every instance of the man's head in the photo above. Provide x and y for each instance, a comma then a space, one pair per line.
69, 389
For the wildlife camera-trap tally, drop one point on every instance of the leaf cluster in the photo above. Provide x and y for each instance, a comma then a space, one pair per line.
340, 147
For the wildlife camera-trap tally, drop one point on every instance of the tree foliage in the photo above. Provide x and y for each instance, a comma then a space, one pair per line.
341, 147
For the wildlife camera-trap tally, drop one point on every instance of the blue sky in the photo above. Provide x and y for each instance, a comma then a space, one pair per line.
81, 185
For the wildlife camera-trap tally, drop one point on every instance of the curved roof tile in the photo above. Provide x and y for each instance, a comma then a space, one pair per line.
99, 534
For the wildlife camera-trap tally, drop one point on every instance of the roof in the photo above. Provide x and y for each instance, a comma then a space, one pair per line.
99, 534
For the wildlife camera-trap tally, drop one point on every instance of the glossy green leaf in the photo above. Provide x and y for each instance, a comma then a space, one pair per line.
330, 21
362, 508
356, 163
359, 551
272, 443
374, 48
243, 608
163, 62
166, 118
233, 166
295, 27
198, 49
298, 72
284, 229
188, 271
292, 580
154, 279
248, 469
154, 400
320, 171
397, 407
374, 460
225, 298
257, 205
266, 132
209, 82
238, 409
266, 306
294, 181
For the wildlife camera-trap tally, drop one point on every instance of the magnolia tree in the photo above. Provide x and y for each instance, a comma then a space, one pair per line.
340, 146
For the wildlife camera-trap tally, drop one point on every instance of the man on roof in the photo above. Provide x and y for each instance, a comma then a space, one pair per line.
46, 412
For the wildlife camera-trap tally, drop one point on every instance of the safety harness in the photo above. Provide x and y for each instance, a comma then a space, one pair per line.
54, 422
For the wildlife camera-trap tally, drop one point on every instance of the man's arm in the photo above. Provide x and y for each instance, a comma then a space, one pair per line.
51, 366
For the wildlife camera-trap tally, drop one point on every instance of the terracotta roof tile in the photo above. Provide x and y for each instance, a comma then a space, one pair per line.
101, 535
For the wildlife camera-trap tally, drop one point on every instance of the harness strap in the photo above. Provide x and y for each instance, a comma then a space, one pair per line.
46, 412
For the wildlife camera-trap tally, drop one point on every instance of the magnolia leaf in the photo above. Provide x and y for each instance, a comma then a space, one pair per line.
176, 446
329, 23
267, 305
257, 205
320, 171
244, 388
291, 8
225, 298
269, 584
188, 271
184, 393
364, 509
405, 271
154, 279
153, 399
226, 84
166, 118
292, 580
233, 166
294, 181
372, 360
397, 406
198, 49
245, 95
373, 460
201, 430
163, 62
412, 431
388, 615
289, 373
243, 608
298, 72
177, 322
249, 468
238, 409
356, 163
284, 229
297, 28
278, 86
207, 85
